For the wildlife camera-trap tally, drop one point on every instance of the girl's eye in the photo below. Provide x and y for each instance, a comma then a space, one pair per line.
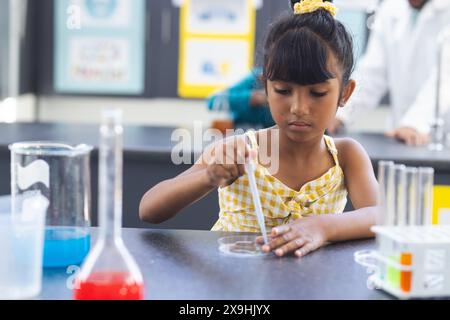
282, 91
318, 94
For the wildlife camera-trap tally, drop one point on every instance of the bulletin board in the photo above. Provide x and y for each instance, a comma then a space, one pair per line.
217, 40
105, 53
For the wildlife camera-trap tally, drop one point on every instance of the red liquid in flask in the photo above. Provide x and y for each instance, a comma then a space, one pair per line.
109, 286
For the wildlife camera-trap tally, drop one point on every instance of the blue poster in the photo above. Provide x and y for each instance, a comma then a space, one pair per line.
100, 46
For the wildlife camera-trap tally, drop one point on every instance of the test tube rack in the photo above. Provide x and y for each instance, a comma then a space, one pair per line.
410, 261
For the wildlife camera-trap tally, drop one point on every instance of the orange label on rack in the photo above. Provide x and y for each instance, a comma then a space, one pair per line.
405, 276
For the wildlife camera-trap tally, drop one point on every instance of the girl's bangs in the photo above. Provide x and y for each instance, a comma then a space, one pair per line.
298, 57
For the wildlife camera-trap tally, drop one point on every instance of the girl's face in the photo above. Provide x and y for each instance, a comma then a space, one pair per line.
307, 111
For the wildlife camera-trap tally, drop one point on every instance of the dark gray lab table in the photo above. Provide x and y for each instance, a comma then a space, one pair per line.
380, 147
187, 265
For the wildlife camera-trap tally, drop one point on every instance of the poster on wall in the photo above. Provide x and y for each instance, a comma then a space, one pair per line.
210, 61
231, 17
216, 45
105, 52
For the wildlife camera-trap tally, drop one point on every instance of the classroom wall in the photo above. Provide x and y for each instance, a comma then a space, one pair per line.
158, 106
159, 111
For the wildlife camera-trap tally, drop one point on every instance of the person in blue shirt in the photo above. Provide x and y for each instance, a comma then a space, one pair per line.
247, 101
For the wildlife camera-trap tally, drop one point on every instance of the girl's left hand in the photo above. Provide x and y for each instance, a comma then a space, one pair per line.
301, 237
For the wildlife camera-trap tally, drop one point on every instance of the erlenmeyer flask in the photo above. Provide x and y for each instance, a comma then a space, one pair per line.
110, 272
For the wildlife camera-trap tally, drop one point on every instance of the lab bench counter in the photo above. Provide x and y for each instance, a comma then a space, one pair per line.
148, 161
155, 142
187, 265
379, 147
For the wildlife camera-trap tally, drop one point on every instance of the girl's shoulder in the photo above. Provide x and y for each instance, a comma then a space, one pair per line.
349, 151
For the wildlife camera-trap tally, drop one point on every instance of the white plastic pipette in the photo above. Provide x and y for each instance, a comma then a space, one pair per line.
250, 169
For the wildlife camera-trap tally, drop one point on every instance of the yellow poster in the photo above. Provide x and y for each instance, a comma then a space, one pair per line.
441, 205
216, 45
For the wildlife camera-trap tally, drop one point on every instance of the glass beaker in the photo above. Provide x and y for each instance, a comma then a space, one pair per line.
110, 272
222, 117
21, 245
61, 173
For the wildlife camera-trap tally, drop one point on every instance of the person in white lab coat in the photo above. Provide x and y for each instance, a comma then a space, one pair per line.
401, 59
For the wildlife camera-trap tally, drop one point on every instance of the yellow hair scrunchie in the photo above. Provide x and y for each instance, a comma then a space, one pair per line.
308, 6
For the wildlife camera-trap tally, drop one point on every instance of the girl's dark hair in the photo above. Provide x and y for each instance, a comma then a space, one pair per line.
297, 48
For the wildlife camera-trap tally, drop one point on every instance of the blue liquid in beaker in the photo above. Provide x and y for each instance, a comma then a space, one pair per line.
65, 246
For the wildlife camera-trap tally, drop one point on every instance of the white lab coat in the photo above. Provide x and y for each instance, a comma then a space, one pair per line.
401, 59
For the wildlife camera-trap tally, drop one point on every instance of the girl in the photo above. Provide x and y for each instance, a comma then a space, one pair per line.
308, 60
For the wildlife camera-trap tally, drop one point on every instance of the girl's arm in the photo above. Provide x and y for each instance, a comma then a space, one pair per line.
308, 234
220, 165
362, 187
169, 197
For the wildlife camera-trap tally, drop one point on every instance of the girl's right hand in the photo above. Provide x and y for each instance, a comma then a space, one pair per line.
225, 161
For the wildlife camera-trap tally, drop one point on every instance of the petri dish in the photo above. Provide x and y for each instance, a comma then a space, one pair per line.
240, 246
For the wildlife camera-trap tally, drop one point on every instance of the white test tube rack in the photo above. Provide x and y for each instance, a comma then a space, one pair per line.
426, 274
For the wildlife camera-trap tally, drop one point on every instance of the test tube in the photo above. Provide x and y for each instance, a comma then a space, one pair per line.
398, 218
412, 181
400, 195
425, 203
386, 185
